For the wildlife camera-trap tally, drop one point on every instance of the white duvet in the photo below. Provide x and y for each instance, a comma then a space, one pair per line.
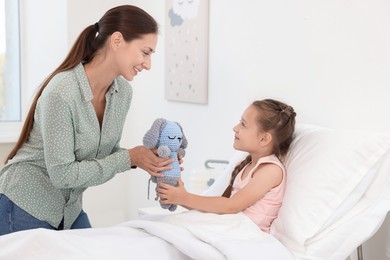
186, 235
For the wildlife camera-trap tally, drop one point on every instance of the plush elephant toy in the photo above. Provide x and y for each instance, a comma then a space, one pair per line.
170, 141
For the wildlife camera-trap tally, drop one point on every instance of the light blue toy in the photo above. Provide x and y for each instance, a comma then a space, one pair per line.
168, 138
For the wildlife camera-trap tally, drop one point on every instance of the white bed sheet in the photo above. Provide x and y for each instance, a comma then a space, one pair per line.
186, 235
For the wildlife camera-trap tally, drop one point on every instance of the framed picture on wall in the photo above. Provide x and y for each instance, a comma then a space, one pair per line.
186, 50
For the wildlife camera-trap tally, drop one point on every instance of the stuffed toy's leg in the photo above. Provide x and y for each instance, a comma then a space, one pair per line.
173, 182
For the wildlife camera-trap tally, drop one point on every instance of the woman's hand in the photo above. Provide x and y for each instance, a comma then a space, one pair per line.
148, 160
172, 195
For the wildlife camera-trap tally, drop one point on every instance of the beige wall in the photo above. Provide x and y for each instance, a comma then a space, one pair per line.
5, 149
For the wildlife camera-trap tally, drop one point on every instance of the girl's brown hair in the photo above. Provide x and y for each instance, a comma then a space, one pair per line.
277, 118
131, 21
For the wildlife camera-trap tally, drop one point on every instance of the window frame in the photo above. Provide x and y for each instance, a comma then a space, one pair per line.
10, 129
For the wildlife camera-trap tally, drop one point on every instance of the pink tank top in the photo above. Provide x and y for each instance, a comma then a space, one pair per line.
264, 211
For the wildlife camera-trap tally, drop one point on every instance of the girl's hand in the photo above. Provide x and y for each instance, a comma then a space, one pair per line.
148, 160
171, 195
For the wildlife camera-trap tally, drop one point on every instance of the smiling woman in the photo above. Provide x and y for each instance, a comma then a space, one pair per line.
71, 136
9, 61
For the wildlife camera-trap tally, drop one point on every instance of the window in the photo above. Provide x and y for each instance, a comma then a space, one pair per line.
10, 90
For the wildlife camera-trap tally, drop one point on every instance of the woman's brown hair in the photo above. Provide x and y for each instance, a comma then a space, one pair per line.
131, 21
277, 118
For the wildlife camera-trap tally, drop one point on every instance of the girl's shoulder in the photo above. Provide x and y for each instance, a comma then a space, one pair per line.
269, 169
270, 162
270, 159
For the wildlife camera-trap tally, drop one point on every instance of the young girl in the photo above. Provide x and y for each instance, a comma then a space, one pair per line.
258, 182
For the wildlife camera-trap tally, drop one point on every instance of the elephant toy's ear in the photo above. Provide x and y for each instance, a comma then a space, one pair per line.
184, 142
151, 137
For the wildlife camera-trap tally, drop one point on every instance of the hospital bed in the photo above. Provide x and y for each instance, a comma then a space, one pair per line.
337, 196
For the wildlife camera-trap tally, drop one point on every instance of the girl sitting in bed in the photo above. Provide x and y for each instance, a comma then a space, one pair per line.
257, 184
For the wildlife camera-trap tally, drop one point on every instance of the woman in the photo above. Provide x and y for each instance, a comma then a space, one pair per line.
70, 139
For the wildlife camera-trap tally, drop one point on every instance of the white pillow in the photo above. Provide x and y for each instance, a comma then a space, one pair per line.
328, 173
221, 183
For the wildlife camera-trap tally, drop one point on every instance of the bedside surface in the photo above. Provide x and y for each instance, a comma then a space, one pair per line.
158, 211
